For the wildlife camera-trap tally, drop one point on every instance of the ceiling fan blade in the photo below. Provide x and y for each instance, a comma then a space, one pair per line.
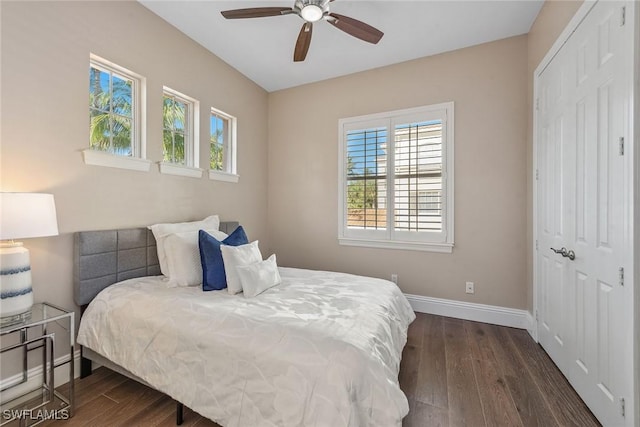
303, 42
355, 28
256, 12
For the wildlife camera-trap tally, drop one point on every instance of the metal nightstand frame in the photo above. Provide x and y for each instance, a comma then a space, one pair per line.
41, 315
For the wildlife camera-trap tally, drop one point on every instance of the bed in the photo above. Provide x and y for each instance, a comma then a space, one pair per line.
320, 349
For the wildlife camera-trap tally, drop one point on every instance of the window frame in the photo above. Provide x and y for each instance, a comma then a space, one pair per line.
190, 168
229, 149
137, 160
390, 238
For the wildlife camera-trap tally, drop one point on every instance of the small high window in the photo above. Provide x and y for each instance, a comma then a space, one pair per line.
115, 116
180, 150
222, 146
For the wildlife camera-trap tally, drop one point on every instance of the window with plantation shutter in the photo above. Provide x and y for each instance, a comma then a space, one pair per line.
396, 179
367, 178
418, 176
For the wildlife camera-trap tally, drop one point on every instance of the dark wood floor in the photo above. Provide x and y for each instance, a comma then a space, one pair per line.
454, 373
460, 373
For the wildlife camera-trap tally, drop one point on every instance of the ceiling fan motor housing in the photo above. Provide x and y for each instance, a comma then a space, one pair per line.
312, 10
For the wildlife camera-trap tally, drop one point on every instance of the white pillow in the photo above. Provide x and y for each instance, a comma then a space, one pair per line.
234, 256
161, 231
258, 277
183, 257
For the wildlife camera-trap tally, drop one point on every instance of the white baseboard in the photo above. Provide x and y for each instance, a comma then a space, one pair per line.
493, 314
34, 378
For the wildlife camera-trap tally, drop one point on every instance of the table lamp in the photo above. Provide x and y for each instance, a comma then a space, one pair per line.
22, 216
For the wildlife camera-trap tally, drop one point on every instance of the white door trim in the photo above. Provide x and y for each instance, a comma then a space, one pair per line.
634, 255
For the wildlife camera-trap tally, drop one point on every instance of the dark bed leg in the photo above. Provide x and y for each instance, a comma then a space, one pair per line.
85, 364
179, 413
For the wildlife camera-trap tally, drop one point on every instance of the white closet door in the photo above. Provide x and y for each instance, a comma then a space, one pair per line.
582, 314
555, 172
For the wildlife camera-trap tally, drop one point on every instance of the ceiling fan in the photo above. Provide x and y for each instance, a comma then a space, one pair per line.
310, 11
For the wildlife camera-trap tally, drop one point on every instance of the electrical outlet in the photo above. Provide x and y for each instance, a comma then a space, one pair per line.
394, 278
470, 289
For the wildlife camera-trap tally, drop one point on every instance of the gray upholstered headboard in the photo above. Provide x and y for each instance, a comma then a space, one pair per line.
102, 258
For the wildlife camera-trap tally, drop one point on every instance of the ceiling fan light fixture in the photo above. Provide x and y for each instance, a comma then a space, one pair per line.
311, 13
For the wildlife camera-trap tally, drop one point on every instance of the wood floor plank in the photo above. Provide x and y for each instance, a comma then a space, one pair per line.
131, 397
130, 389
153, 414
497, 405
191, 418
465, 408
415, 333
94, 413
103, 381
99, 378
431, 385
410, 362
422, 414
564, 402
530, 403
409, 369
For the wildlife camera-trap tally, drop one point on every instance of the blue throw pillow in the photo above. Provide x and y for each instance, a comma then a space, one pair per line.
213, 275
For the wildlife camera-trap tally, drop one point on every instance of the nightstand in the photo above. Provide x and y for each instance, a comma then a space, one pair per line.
21, 400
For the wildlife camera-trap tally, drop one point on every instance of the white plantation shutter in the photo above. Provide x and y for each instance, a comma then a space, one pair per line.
396, 180
418, 176
367, 178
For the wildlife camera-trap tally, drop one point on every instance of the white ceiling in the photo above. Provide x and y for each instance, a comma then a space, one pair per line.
262, 48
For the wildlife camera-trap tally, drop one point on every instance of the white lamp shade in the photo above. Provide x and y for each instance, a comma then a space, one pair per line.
25, 215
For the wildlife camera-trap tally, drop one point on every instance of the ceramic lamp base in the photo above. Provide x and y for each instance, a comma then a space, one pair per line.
16, 294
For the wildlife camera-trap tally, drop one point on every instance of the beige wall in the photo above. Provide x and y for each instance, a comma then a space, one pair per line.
551, 21
45, 58
488, 84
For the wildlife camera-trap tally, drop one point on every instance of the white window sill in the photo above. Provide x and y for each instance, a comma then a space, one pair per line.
173, 169
223, 176
99, 158
390, 244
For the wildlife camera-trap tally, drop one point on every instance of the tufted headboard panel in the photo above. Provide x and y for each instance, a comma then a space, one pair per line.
102, 258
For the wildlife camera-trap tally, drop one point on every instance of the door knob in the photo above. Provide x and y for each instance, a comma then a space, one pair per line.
565, 253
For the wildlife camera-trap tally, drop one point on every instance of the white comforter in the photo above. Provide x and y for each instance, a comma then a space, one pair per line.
321, 349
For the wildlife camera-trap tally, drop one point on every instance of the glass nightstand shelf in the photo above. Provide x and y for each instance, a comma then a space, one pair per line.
28, 403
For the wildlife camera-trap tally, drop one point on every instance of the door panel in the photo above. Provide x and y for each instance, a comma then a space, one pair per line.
604, 199
583, 328
581, 174
605, 343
